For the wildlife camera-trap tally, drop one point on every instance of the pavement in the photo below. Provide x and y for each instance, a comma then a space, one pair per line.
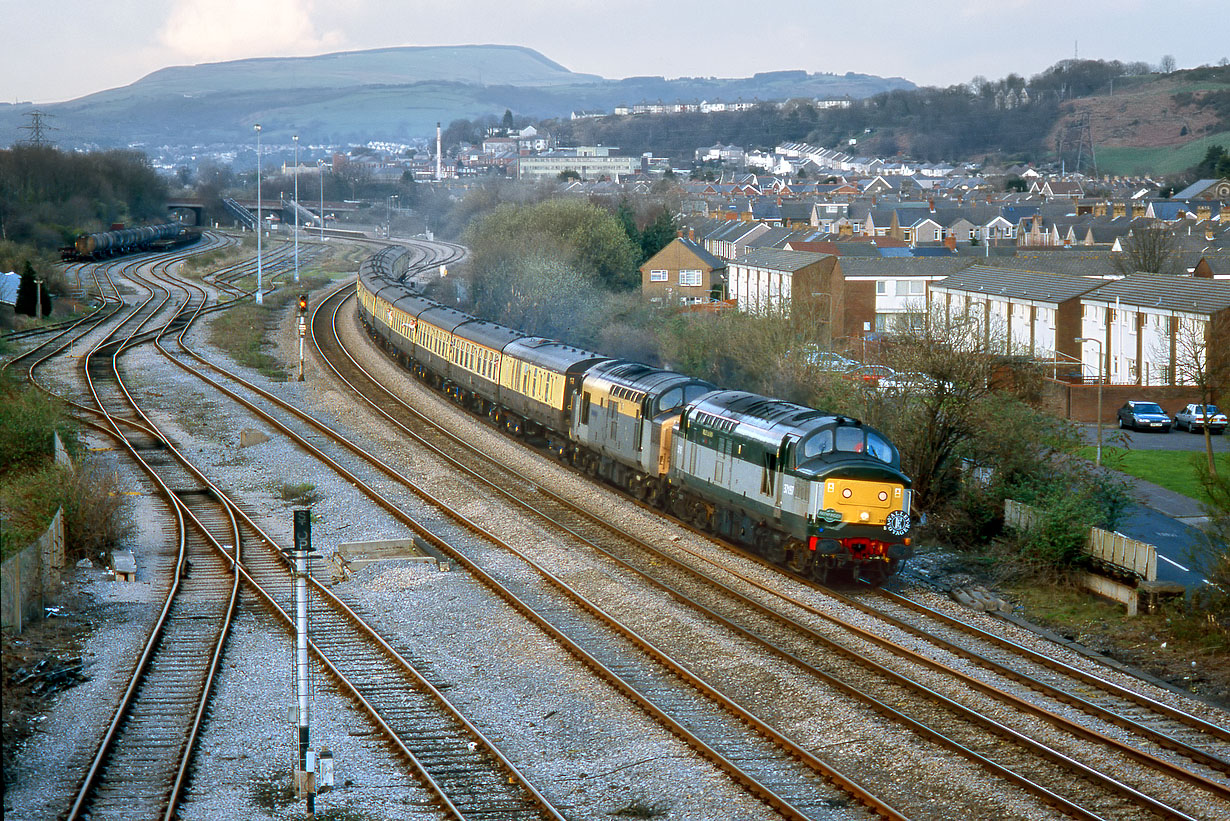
1161, 517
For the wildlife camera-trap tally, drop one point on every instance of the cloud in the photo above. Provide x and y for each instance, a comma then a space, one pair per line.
232, 29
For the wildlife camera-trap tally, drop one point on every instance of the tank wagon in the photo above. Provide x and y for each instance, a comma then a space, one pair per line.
817, 493
130, 240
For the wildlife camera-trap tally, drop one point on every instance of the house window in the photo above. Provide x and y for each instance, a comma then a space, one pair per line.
659, 275
882, 288
689, 277
910, 287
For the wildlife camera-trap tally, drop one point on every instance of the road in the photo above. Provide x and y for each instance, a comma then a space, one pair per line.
1163, 518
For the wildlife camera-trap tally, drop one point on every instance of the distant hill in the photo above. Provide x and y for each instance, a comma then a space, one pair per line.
382, 94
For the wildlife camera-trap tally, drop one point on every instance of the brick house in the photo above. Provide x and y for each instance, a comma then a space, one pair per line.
769, 280
683, 273
1019, 312
1152, 327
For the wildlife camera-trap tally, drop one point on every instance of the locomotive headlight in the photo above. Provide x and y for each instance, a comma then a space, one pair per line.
864, 515
883, 496
846, 492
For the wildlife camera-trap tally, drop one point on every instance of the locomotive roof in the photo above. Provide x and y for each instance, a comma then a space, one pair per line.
641, 377
755, 417
551, 354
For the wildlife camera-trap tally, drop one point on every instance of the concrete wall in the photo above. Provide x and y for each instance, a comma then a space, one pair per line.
28, 577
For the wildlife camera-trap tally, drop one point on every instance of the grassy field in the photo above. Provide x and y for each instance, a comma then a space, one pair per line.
1172, 469
1164, 160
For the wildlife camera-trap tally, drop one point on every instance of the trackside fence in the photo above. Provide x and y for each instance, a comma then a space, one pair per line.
1126, 569
29, 577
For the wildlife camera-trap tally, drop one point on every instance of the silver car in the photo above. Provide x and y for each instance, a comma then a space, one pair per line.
1193, 419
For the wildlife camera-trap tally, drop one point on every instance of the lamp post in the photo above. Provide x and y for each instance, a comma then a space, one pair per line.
296, 209
320, 167
1098, 461
259, 298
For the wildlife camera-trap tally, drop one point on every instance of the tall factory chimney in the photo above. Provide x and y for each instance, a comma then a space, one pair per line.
438, 160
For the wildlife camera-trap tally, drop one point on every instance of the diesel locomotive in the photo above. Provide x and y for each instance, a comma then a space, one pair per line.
817, 493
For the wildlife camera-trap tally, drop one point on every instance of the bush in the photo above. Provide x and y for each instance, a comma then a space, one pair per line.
88, 496
28, 418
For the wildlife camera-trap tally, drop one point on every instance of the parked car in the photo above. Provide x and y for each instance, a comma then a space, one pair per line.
870, 374
1143, 416
903, 382
828, 360
1193, 417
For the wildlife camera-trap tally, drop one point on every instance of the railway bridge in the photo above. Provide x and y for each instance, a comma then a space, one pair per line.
182, 207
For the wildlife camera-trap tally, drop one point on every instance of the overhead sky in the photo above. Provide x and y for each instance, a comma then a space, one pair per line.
58, 50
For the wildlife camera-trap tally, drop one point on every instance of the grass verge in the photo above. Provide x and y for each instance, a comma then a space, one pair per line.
1174, 644
244, 330
1175, 470
1169, 159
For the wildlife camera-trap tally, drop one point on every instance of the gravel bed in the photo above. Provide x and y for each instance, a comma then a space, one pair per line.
578, 739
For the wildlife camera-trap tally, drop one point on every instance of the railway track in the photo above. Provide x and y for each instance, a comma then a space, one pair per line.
789, 778
141, 763
1208, 760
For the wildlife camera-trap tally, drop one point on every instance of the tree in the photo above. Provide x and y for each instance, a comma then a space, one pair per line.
1202, 361
29, 293
627, 219
507, 122
1148, 250
657, 234
1167, 65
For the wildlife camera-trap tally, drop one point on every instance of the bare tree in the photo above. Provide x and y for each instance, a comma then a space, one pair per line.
1201, 360
1167, 65
1148, 250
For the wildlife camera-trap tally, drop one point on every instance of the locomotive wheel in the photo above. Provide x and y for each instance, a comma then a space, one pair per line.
800, 558
700, 515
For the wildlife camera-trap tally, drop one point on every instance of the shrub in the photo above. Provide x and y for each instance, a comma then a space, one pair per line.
88, 495
28, 419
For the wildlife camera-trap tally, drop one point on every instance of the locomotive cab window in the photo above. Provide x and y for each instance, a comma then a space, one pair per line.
817, 444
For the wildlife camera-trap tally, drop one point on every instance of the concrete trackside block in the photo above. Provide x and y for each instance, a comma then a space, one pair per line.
357, 555
124, 564
250, 436
1111, 589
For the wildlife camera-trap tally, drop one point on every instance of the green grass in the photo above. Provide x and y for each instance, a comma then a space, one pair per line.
1162, 160
1172, 469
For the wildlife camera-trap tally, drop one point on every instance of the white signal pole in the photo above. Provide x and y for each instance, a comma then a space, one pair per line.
259, 298
296, 139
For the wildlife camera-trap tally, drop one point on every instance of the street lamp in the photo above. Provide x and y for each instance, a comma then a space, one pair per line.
1098, 461
259, 299
320, 167
296, 209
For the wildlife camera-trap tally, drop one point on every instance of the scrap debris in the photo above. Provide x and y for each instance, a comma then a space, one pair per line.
50, 675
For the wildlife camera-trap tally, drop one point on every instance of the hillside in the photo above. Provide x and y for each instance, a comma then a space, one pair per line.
1158, 125
395, 94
